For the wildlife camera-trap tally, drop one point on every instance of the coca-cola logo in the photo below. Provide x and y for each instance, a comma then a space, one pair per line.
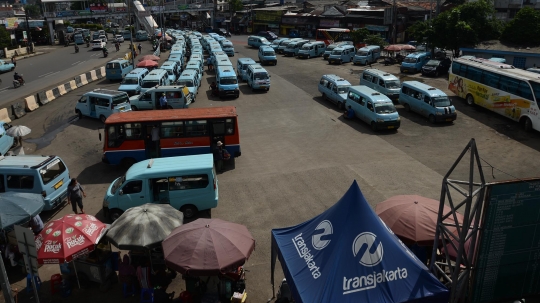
74, 241
90, 229
52, 246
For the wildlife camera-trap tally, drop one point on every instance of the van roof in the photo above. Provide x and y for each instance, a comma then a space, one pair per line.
169, 63
156, 73
188, 72
117, 60
170, 165
426, 89
172, 114
417, 55
246, 61
25, 161
268, 47
255, 37
370, 47
226, 71
137, 71
107, 92
336, 78
343, 47
257, 67
381, 74
374, 95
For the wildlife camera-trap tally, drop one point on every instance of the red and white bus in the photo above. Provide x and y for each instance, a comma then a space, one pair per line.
134, 136
333, 35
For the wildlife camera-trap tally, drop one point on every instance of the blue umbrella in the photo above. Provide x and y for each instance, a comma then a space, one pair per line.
17, 208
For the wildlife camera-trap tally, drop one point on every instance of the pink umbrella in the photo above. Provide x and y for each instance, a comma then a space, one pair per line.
393, 48
413, 218
149, 57
407, 47
147, 63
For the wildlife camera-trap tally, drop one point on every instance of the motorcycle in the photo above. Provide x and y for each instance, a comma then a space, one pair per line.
87, 43
19, 82
105, 53
76, 49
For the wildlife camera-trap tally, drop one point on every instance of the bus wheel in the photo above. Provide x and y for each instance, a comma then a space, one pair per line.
527, 124
134, 108
470, 99
189, 211
102, 118
127, 162
115, 214
407, 107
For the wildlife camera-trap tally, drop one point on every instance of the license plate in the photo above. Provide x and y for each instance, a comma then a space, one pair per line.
57, 185
405, 70
121, 108
448, 120
390, 127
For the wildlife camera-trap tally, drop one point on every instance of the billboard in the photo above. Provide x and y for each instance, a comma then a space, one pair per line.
507, 263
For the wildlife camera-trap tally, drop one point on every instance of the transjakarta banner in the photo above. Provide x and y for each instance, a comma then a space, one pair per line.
347, 254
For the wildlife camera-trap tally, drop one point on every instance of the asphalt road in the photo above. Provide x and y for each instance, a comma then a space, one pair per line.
57, 65
298, 156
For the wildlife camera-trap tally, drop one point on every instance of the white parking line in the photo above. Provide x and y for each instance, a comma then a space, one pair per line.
75, 63
45, 74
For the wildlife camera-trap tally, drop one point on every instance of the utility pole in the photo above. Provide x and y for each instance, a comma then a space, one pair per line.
131, 35
162, 6
28, 35
394, 22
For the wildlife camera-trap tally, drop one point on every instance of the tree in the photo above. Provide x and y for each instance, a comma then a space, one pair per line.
5, 38
33, 10
375, 40
359, 35
422, 32
451, 32
235, 5
524, 28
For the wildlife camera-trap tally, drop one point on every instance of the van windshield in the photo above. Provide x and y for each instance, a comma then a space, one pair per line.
228, 80
187, 83
116, 185
269, 54
50, 171
384, 107
170, 72
362, 53
343, 89
130, 81
331, 47
442, 101
123, 98
306, 47
392, 84
261, 76
409, 60
337, 52
150, 84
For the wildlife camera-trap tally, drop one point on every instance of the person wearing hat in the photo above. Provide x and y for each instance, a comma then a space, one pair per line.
163, 101
218, 156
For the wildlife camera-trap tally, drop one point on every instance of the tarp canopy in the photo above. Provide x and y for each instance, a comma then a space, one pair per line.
347, 254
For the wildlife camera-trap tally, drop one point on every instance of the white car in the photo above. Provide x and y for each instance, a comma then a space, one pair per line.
98, 44
103, 38
119, 38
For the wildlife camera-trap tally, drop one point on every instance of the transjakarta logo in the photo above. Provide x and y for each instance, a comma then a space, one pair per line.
369, 250
320, 240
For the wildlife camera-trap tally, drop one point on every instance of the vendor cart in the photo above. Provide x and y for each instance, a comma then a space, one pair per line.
99, 266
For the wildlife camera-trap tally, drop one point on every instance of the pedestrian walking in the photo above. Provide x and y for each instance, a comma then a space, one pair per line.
75, 195
140, 48
209, 63
14, 61
36, 224
218, 156
163, 101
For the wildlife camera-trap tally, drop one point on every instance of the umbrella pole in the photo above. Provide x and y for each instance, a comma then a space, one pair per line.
76, 274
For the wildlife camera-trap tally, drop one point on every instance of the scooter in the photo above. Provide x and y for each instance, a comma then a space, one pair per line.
18, 83
76, 48
87, 43
105, 53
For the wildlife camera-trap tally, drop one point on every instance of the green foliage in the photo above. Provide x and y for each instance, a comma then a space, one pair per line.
5, 38
235, 5
375, 40
359, 35
422, 32
524, 29
33, 10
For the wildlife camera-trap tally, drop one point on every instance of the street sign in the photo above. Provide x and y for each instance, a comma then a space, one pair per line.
25, 238
24, 35
508, 260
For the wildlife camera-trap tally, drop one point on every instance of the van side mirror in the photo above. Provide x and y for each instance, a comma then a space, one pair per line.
121, 192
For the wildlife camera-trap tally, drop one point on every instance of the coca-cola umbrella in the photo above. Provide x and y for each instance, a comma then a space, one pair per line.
413, 218
207, 247
67, 238
147, 63
149, 57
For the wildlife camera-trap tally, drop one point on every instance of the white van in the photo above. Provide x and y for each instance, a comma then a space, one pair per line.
187, 183
101, 103
382, 82
258, 77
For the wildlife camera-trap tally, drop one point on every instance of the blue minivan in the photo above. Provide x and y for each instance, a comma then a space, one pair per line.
242, 66
227, 82
132, 82
428, 101
267, 55
373, 107
334, 88
6, 142
117, 69
44, 175
413, 62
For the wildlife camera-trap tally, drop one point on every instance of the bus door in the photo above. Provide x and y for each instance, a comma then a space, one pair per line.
217, 132
152, 146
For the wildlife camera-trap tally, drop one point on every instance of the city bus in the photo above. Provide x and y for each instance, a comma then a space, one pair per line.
333, 35
140, 135
499, 87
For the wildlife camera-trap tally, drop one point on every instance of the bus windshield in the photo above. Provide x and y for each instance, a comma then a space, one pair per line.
442, 101
384, 107
150, 84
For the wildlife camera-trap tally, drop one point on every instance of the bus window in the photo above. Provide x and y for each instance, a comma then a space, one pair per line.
196, 128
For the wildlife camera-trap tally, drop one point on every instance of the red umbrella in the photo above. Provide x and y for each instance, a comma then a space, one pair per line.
67, 238
149, 57
207, 247
147, 63
413, 218
407, 47
393, 48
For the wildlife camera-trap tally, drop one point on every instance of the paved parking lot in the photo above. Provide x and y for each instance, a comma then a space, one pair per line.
298, 154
